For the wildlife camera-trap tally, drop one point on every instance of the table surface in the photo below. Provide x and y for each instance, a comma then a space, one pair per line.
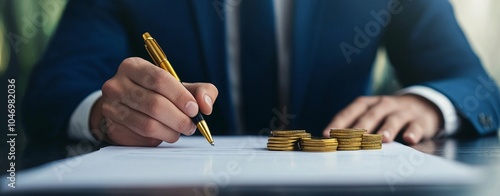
483, 152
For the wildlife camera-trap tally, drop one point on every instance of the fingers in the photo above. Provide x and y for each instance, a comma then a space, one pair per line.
141, 123
148, 105
122, 135
377, 113
145, 74
413, 134
151, 104
205, 95
417, 117
348, 116
393, 123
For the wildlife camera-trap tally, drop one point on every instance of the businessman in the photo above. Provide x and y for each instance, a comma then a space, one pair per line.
298, 64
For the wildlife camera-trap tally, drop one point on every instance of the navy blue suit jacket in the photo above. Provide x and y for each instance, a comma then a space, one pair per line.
334, 44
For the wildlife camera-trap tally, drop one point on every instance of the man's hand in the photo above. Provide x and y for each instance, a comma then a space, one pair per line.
143, 105
388, 115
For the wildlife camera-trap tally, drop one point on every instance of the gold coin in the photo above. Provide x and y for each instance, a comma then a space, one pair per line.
280, 145
374, 143
370, 140
348, 148
347, 134
320, 139
370, 135
287, 131
283, 138
302, 135
281, 148
370, 143
323, 150
350, 143
353, 130
319, 145
345, 137
281, 141
295, 135
314, 148
371, 148
349, 140
332, 140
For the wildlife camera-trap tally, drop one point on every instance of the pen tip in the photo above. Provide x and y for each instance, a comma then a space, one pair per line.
212, 143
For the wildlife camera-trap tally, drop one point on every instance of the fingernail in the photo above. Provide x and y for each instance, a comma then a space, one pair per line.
208, 100
411, 135
191, 108
387, 135
192, 131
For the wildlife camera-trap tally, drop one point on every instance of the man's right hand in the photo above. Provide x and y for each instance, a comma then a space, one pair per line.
143, 105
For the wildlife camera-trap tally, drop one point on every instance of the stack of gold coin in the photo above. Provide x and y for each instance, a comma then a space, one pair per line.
318, 144
348, 139
286, 140
371, 142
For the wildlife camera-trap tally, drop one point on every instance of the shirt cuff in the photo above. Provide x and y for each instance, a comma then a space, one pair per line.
450, 116
78, 128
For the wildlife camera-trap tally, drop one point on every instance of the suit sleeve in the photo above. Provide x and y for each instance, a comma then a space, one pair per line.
85, 51
427, 47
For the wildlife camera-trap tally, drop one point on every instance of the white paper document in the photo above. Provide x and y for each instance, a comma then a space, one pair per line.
242, 161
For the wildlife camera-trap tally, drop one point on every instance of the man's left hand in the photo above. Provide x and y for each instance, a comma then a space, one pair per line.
413, 115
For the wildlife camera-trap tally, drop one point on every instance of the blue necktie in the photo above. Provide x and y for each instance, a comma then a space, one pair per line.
258, 65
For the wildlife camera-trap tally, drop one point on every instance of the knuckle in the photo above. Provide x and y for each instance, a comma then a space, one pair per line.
386, 100
130, 61
361, 99
153, 80
106, 110
128, 64
372, 114
362, 123
148, 128
413, 107
152, 107
181, 98
394, 118
110, 88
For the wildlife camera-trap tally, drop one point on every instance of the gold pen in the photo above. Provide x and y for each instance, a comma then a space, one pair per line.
161, 60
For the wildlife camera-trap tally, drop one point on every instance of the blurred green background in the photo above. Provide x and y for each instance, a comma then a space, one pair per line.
27, 25
25, 29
